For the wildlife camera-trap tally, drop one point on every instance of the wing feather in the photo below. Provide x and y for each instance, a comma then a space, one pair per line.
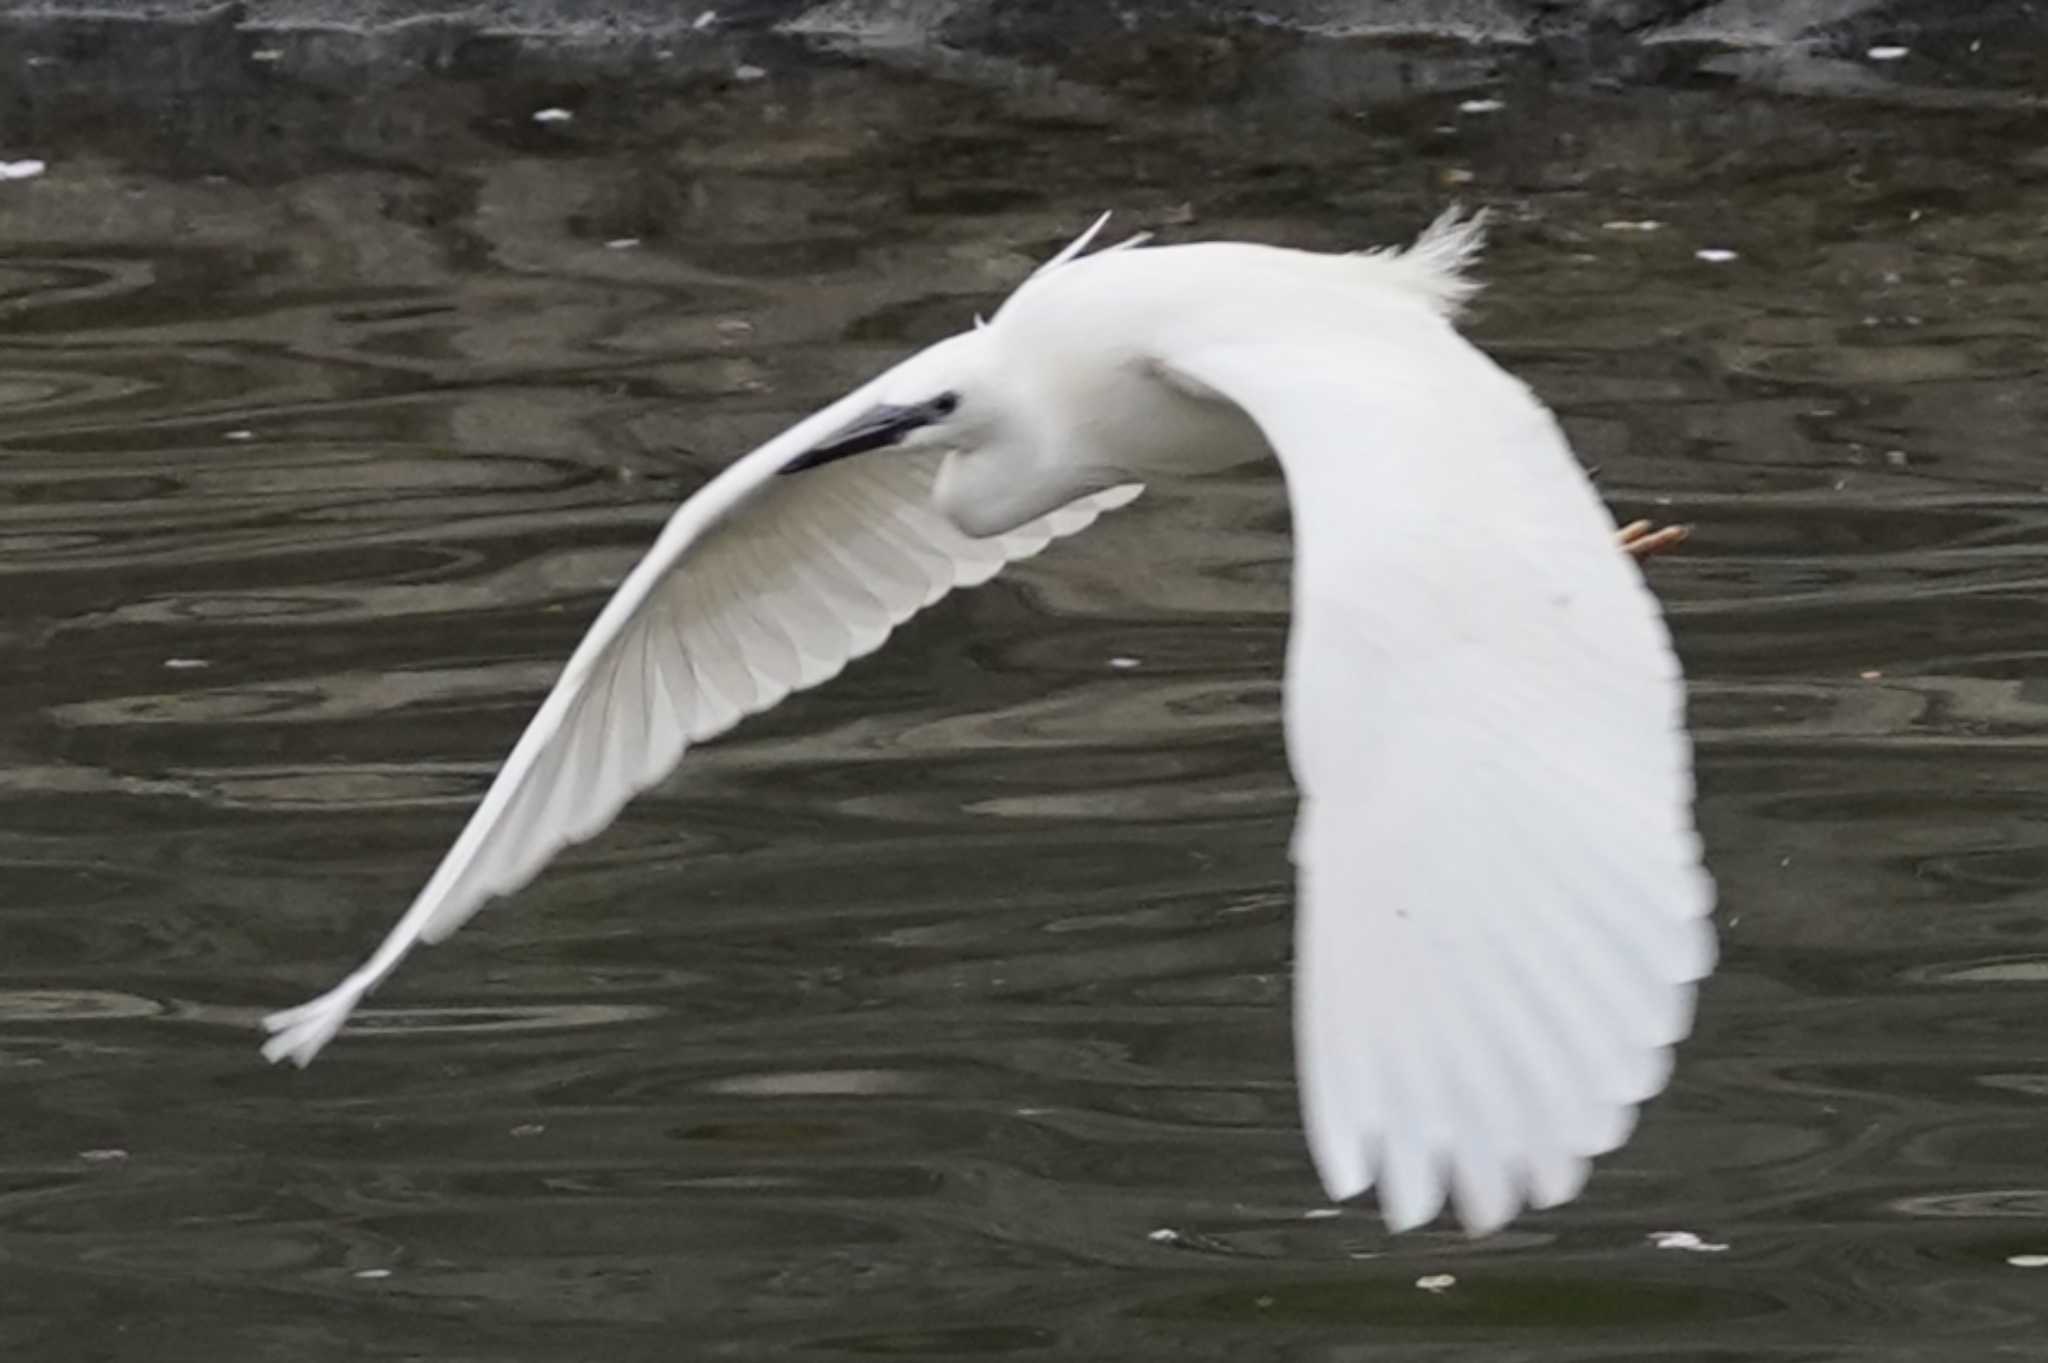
1502, 909
759, 585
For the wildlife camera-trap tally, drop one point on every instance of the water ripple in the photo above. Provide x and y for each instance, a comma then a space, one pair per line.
943, 1011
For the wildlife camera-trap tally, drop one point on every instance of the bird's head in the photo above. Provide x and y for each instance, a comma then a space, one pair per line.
936, 399
954, 396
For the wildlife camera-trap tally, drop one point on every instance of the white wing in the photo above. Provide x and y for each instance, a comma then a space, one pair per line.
1502, 909
758, 586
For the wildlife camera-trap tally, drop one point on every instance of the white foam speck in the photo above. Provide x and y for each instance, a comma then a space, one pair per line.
1685, 1240
552, 116
1482, 106
1437, 1282
22, 170
1887, 54
1715, 255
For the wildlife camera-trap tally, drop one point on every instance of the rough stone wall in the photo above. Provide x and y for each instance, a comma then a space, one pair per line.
1738, 22
1318, 53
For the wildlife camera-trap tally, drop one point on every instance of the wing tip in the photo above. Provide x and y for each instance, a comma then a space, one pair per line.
299, 1034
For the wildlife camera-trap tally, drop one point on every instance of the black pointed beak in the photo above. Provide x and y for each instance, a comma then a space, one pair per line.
877, 428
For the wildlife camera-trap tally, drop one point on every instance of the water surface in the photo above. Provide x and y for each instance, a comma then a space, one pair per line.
943, 1012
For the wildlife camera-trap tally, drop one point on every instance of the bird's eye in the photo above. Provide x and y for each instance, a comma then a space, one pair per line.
945, 404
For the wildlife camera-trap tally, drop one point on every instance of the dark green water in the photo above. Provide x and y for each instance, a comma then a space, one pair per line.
942, 1012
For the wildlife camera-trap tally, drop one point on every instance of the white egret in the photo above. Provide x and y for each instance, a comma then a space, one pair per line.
1502, 911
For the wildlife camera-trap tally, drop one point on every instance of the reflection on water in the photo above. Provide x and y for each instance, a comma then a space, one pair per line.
943, 1012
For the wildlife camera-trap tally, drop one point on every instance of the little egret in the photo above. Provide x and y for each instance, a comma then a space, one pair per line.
1502, 911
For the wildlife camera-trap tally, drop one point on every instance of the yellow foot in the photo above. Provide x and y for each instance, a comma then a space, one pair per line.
1642, 539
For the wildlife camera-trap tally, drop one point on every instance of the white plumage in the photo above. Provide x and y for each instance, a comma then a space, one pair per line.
1502, 909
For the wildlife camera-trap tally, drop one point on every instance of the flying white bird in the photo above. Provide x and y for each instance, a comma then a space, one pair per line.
1502, 910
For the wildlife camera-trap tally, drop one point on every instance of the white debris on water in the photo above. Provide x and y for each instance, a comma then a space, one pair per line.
2028, 1260
749, 73
1715, 255
1633, 225
1686, 1240
1322, 1213
622, 243
22, 170
1887, 54
1482, 106
186, 664
552, 116
706, 19
1439, 1283
1123, 664
372, 1274
1165, 1235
